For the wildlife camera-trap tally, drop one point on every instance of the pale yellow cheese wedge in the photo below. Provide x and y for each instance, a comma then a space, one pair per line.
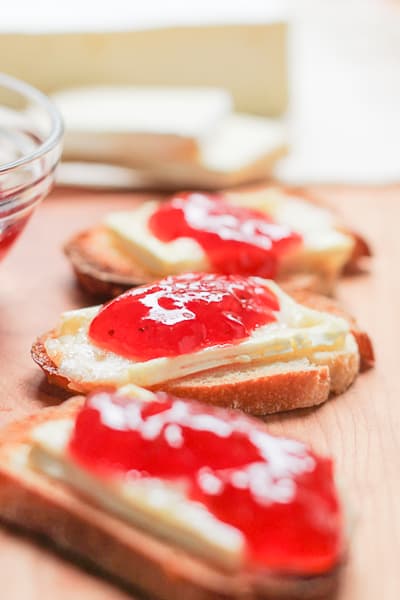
155, 505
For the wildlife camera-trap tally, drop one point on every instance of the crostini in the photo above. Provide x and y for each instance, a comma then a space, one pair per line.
234, 341
176, 499
270, 233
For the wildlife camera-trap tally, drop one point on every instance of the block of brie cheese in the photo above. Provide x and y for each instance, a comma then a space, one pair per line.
137, 126
188, 44
176, 137
242, 149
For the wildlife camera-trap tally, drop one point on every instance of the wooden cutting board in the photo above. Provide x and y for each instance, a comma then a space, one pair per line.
361, 429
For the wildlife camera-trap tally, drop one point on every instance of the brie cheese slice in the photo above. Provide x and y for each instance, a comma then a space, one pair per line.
154, 505
131, 234
322, 239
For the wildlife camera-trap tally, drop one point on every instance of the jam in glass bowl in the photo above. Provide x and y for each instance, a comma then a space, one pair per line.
30, 146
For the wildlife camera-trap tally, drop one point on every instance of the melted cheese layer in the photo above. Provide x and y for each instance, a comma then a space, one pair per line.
299, 332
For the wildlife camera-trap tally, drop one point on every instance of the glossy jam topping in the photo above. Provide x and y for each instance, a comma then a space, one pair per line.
236, 239
279, 494
183, 314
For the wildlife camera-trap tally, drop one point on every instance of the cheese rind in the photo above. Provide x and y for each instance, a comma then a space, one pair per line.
299, 332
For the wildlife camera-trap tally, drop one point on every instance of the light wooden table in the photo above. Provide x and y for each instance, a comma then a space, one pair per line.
361, 428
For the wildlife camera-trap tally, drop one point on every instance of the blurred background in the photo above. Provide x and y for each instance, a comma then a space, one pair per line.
320, 77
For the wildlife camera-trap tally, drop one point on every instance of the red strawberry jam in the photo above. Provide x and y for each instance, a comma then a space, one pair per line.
182, 314
278, 493
236, 239
10, 233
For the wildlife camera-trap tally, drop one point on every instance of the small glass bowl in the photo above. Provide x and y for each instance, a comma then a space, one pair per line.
30, 147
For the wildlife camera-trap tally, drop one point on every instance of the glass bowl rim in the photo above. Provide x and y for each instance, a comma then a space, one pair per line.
57, 127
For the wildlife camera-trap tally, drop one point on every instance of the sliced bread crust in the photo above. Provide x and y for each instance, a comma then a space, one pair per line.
133, 558
258, 389
262, 390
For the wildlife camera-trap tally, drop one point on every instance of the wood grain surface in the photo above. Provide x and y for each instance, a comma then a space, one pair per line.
361, 429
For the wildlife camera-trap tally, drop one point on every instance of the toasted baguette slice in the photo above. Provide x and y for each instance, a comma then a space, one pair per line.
133, 558
105, 268
256, 388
